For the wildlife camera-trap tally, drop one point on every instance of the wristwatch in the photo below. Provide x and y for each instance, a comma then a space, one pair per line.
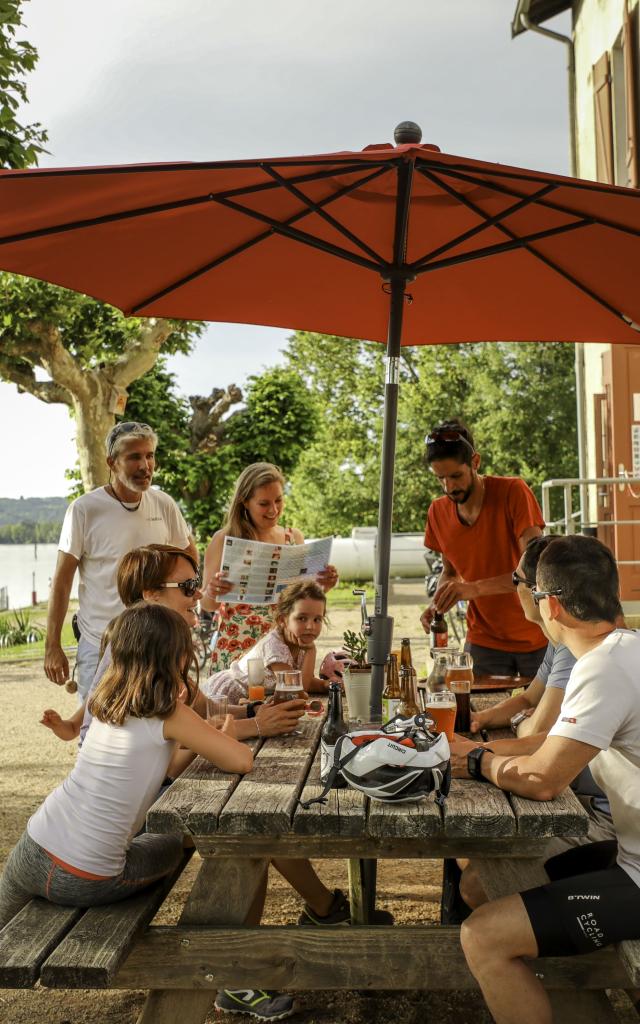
474, 758
516, 719
252, 707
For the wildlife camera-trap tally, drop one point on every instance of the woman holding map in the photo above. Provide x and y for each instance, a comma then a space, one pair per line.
254, 513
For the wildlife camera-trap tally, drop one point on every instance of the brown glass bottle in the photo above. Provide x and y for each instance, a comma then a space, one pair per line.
439, 631
408, 706
391, 696
334, 727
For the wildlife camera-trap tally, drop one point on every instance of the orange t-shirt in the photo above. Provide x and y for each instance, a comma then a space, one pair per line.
486, 549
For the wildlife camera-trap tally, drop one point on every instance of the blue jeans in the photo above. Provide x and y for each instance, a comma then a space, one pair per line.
87, 660
31, 871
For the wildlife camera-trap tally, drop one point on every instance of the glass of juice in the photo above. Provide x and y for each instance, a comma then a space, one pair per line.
441, 707
255, 669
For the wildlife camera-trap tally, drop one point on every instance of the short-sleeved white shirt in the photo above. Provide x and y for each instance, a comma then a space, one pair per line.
98, 531
602, 707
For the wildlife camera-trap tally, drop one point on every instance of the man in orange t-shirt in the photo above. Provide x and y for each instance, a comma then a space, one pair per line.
481, 527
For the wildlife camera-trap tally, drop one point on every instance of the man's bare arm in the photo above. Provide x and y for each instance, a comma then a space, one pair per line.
451, 590
546, 713
539, 776
56, 664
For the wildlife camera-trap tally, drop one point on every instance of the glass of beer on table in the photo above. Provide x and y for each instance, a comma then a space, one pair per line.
441, 707
289, 687
459, 679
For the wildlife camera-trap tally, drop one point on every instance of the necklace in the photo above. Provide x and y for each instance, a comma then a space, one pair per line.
127, 508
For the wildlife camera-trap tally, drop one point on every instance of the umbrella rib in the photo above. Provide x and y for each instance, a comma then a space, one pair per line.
543, 259
315, 208
487, 223
146, 211
237, 250
547, 204
502, 247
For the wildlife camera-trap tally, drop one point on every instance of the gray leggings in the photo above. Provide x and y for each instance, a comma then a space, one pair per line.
30, 871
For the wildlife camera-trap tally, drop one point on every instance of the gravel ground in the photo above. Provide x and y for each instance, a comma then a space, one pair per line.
33, 761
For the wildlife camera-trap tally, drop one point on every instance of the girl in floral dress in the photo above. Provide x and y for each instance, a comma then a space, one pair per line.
254, 513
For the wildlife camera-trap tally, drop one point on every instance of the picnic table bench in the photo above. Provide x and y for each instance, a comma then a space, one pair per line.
238, 824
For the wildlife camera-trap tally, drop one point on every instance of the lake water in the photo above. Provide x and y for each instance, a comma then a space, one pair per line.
18, 562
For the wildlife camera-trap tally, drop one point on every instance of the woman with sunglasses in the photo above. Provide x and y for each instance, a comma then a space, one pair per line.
254, 513
162, 574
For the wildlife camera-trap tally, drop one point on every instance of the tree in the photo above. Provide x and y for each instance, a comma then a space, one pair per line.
20, 145
519, 400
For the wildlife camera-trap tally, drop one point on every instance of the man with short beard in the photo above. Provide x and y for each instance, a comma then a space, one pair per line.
98, 529
481, 527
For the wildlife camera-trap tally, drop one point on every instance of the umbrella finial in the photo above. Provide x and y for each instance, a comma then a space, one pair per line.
406, 132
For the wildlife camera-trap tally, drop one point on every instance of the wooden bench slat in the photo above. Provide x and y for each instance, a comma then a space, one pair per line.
477, 809
265, 800
344, 813
413, 820
27, 941
92, 951
563, 816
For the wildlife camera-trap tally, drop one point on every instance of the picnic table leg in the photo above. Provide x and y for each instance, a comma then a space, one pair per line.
362, 889
222, 894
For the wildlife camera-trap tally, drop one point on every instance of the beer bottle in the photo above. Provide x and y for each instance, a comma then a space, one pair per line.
408, 695
439, 631
332, 730
405, 654
391, 695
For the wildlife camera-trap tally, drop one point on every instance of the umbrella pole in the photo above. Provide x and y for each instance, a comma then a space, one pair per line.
380, 623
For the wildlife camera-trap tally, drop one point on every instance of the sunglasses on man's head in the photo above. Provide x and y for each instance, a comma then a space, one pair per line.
539, 595
188, 587
515, 579
436, 436
126, 427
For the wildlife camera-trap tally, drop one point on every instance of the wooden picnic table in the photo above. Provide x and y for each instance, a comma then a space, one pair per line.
239, 823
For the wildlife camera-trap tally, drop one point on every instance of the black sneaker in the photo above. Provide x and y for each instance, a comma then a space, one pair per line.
255, 1002
339, 912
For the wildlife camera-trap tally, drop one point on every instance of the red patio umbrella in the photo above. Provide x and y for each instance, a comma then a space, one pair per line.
401, 244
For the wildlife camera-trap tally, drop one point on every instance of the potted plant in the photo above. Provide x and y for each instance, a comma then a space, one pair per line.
357, 679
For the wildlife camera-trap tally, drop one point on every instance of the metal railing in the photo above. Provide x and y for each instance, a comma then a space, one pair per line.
576, 522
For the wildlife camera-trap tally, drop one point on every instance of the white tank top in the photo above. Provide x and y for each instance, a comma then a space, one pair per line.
90, 820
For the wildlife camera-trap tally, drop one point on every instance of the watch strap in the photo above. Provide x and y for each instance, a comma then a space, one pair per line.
474, 758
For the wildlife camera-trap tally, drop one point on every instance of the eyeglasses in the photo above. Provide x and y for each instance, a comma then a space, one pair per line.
451, 436
126, 427
516, 580
539, 595
188, 587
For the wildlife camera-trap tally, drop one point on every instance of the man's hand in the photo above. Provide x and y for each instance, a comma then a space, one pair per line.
278, 719
56, 664
427, 617
460, 747
449, 592
478, 720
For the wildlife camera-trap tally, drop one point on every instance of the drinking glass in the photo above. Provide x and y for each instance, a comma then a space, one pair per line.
289, 687
255, 669
217, 710
441, 707
357, 687
460, 679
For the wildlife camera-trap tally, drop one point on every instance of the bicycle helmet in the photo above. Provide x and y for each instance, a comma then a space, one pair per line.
403, 761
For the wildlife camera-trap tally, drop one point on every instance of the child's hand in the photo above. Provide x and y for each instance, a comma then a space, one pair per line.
228, 726
60, 727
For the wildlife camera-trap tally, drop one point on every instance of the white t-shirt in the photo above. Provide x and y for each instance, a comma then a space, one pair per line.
98, 531
91, 818
602, 707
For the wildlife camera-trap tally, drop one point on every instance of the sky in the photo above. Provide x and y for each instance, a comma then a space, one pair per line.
158, 80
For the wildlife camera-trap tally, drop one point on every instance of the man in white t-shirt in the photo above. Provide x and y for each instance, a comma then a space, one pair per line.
593, 898
98, 529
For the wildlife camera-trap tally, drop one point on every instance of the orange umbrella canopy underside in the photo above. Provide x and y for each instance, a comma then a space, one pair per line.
494, 253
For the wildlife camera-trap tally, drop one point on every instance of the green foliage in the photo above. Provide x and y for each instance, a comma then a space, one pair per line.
518, 399
30, 533
278, 420
355, 644
19, 629
20, 144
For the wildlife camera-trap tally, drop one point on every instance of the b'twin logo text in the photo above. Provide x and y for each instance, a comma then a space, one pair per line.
584, 896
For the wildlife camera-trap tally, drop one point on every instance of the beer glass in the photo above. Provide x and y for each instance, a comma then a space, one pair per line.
289, 687
441, 707
217, 710
459, 679
255, 670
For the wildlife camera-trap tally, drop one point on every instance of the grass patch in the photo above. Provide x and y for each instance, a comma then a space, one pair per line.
342, 597
35, 651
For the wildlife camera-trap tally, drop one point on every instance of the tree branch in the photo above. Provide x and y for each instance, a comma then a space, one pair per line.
24, 376
206, 429
60, 364
140, 354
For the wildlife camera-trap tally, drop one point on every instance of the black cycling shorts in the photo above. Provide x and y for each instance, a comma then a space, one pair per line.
590, 902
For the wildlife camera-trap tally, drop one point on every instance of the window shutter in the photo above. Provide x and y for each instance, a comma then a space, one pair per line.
604, 121
630, 78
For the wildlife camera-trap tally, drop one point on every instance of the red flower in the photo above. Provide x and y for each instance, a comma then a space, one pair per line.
247, 643
242, 609
233, 645
222, 644
232, 629
253, 620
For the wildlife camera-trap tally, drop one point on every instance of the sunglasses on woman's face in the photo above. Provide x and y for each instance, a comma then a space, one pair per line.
188, 587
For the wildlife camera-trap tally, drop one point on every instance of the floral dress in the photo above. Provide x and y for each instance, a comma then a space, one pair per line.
240, 626
233, 682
